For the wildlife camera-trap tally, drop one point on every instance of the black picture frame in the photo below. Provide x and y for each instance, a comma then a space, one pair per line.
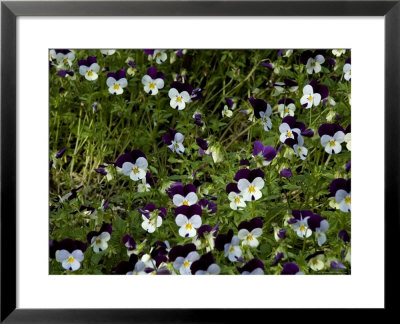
10, 10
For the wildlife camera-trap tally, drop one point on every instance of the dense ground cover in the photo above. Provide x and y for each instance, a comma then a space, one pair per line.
200, 161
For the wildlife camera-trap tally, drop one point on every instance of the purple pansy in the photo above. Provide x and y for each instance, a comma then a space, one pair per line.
188, 218
207, 205
64, 73
341, 189
98, 239
286, 173
205, 265
116, 81
344, 236
253, 267
153, 81
197, 120
249, 231
203, 145
152, 217
182, 195
263, 111
89, 68
267, 152
134, 164
183, 256
174, 141
278, 257
129, 242
332, 137
290, 269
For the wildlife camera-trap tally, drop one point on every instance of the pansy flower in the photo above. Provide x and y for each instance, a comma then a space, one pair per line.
338, 52
286, 107
287, 84
310, 98
299, 149
52, 55
68, 252
107, 52
341, 189
65, 73
278, 257
316, 261
129, 242
197, 119
174, 141
160, 56
152, 217
300, 224
132, 67
183, 195
131, 267
313, 60
344, 236
249, 231
159, 253
267, 152
70, 260
232, 249
332, 137
250, 183
291, 269
98, 239
153, 81
203, 145
116, 82
205, 265
208, 206
89, 68
262, 110
319, 226
64, 57
205, 238
179, 95
235, 197
133, 164
188, 218
253, 267
286, 173
347, 70
182, 257
226, 112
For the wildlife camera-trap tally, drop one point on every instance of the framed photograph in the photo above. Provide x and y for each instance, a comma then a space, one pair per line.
173, 140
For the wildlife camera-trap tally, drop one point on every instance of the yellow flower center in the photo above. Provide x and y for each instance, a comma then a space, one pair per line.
90, 73
188, 226
331, 143
237, 200
71, 259
231, 249
186, 264
152, 86
65, 60
159, 54
249, 237
252, 189
312, 63
178, 99
286, 110
302, 228
299, 150
314, 261
135, 170
176, 145
310, 98
347, 200
289, 134
116, 86
185, 202
98, 241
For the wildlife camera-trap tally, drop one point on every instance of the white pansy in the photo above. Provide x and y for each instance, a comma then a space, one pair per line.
182, 264
338, 52
152, 86
347, 71
251, 190
343, 198
99, 243
160, 56
116, 86
64, 59
178, 99
286, 110
70, 261
236, 201
188, 226
314, 64
309, 97
188, 200
287, 132
227, 112
136, 171
250, 238
90, 72
176, 144
232, 250
333, 144
317, 263
299, 148
265, 118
